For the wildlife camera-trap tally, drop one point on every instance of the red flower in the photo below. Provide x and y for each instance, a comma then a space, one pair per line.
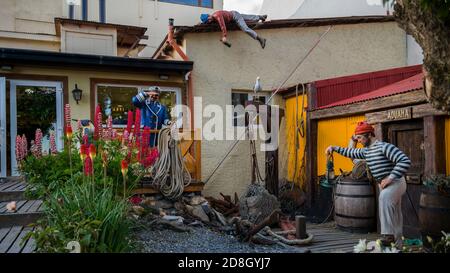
88, 170
69, 132
124, 165
136, 200
92, 151
84, 151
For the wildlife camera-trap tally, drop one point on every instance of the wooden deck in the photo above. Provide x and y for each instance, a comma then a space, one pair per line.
12, 240
329, 239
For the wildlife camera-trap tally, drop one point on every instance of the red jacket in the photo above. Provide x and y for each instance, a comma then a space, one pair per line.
223, 17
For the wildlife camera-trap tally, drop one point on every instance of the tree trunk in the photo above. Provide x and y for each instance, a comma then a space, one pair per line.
433, 35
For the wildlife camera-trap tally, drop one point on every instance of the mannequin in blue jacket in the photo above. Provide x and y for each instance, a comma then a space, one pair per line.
153, 114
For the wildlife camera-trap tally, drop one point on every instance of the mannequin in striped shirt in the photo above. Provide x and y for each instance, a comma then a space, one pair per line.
388, 166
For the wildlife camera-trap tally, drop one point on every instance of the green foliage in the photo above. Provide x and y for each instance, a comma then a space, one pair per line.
441, 8
48, 173
94, 217
441, 246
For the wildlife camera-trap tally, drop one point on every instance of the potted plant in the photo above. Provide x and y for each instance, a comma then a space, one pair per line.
434, 211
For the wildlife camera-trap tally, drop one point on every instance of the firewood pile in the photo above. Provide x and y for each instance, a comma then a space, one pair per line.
249, 217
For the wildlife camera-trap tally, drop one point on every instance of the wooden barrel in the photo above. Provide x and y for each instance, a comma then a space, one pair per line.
354, 206
434, 213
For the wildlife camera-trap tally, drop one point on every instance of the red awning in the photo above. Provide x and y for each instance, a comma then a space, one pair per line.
406, 85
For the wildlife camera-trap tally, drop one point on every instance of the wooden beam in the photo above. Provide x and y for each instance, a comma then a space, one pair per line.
311, 162
434, 135
410, 98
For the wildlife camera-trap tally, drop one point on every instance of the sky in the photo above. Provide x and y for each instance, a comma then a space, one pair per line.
254, 6
243, 6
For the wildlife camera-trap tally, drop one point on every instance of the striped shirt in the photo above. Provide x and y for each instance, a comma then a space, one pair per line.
383, 159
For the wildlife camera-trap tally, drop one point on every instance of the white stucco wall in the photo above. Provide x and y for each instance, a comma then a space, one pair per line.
38, 16
348, 49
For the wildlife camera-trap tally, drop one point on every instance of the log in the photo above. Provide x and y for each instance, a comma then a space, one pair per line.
268, 221
231, 211
226, 198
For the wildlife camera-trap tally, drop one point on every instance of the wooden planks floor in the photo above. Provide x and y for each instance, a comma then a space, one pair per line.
329, 239
12, 240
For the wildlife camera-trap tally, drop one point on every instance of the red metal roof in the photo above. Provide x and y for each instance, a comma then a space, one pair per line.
332, 90
407, 85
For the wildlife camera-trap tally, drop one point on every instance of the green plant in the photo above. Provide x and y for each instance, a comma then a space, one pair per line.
95, 218
441, 246
439, 182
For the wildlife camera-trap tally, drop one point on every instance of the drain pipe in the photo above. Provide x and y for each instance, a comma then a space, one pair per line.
171, 41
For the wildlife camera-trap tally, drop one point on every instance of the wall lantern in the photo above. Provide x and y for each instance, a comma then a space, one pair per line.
77, 93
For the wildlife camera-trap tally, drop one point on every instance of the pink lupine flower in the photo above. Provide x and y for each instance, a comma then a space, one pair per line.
38, 143
97, 123
109, 128
19, 155
53, 149
115, 135
125, 137
67, 114
88, 170
24, 146
129, 121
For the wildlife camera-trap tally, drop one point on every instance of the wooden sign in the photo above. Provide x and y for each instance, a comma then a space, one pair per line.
389, 115
399, 114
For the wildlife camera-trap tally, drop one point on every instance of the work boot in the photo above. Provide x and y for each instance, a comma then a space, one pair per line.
263, 18
387, 240
262, 41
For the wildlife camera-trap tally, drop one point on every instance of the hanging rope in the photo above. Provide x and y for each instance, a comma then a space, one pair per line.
170, 174
267, 102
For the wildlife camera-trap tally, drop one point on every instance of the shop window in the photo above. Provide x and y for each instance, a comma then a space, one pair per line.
115, 100
198, 3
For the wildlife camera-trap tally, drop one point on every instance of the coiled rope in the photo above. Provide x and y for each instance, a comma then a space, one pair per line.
170, 174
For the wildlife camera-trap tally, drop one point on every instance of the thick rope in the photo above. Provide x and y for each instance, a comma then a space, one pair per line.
278, 236
170, 173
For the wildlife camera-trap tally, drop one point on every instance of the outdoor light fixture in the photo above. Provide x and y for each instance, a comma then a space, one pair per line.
77, 93
163, 77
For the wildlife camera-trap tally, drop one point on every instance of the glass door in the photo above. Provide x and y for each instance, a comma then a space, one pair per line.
33, 105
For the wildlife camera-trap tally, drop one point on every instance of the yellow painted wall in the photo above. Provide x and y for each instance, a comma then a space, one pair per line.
447, 143
336, 132
294, 173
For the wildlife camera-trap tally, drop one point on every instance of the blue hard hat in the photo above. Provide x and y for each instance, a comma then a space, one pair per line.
204, 17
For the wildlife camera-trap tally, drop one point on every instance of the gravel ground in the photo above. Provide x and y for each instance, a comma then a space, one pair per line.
199, 240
